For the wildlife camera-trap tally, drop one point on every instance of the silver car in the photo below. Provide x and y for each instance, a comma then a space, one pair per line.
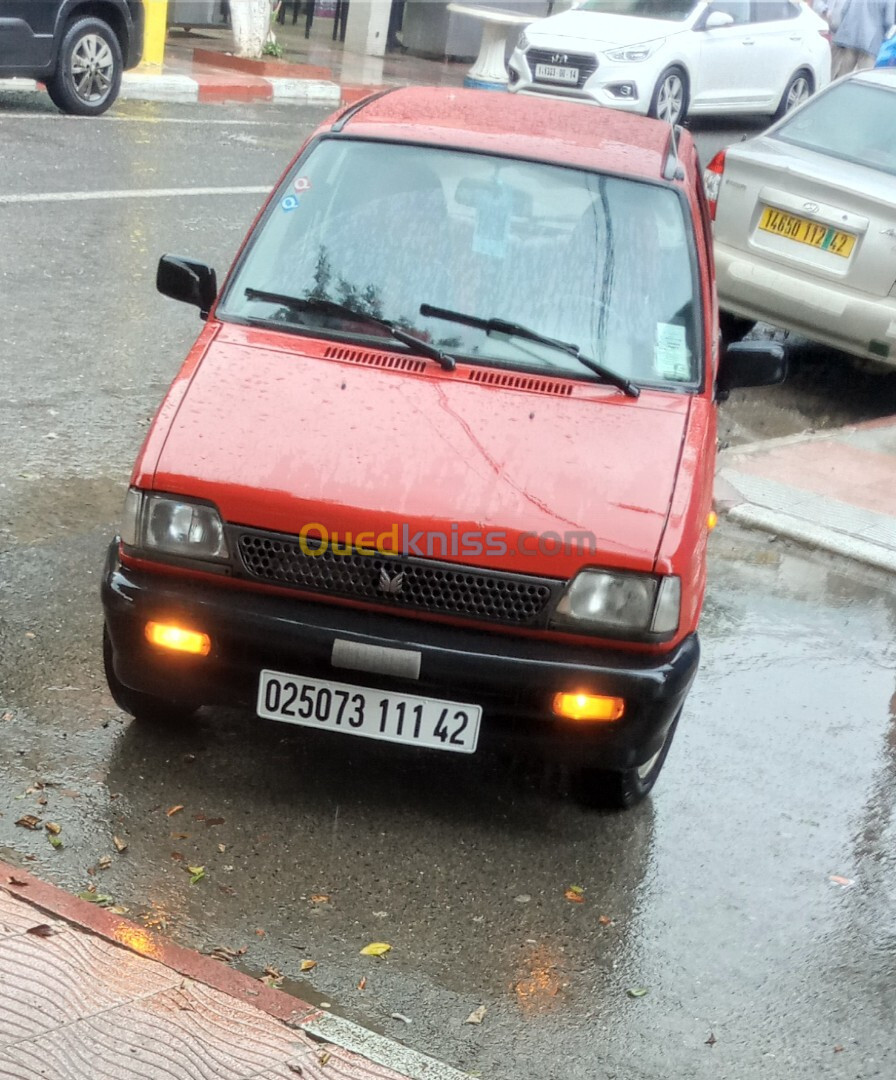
805, 221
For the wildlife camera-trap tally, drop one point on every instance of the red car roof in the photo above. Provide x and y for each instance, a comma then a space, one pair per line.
546, 129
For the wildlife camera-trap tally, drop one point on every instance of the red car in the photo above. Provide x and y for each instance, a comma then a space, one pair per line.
439, 466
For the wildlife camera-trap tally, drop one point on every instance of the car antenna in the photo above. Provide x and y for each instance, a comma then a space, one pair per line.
672, 170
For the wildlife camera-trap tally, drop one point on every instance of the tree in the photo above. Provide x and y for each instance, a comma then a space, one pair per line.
251, 23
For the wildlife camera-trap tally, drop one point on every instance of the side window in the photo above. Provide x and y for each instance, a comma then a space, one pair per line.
739, 10
774, 10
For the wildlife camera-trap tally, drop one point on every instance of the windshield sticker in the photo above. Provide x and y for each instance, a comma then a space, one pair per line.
289, 202
302, 183
493, 214
671, 356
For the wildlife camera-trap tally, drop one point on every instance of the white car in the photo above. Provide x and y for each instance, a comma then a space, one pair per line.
805, 221
671, 58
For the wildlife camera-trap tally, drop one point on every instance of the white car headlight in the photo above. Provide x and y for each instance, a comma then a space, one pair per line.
523, 42
172, 526
632, 54
619, 603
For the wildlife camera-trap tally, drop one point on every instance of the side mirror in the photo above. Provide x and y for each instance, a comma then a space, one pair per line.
750, 363
715, 20
187, 280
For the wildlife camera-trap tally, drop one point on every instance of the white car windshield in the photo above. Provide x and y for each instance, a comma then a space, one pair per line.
599, 262
852, 121
667, 10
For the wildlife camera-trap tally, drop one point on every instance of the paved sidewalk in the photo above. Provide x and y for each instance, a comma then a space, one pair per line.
835, 491
86, 993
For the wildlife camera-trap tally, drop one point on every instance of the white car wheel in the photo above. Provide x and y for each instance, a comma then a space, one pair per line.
670, 97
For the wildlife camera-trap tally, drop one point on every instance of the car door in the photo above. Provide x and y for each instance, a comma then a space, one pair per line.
724, 74
26, 34
780, 47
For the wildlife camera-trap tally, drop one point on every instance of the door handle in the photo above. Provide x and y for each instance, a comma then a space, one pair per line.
748, 41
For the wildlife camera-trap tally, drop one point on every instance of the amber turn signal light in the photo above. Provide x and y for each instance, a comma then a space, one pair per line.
588, 707
169, 636
712, 519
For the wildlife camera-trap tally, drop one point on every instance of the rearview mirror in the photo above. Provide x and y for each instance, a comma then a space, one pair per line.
750, 363
715, 20
187, 280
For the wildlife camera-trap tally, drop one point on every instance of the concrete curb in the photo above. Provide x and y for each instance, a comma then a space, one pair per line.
295, 1013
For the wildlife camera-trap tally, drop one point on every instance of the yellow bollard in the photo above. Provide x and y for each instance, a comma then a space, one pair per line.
154, 33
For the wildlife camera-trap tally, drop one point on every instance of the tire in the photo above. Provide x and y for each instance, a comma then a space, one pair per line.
733, 327
603, 790
671, 90
142, 706
799, 89
88, 69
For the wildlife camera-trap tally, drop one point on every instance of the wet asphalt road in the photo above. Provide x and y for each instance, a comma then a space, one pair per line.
719, 890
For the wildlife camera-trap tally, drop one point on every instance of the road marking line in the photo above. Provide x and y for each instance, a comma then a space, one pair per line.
137, 193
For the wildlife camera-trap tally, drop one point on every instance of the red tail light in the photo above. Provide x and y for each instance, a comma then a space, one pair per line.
712, 181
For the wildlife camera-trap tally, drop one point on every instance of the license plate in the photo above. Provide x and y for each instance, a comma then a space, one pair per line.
807, 232
373, 714
551, 73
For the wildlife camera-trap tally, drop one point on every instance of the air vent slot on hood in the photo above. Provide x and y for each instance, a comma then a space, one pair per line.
375, 359
534, 384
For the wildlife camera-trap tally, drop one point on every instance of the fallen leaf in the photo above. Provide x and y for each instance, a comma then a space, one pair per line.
838, 1049
221, 952
104, 862
319, 898
173, 810
404, 1019
376, 948
52, 827
214, 821
476, 1016
43, 930
222, 848
636, 991
29, 821
259, 932
575, 894
120, 845
177, 856
95, 898
295, 1068
119, 909
605, 920
178, 836
54, 840
845, 882
711, 1041
42, 801
197, 873
16, 881
6, 716
324, 1058
362, 985
307, 965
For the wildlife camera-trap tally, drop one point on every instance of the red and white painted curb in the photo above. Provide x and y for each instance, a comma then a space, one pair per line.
88, 918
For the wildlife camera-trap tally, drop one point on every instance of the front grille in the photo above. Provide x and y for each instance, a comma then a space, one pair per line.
585, 62
398, 581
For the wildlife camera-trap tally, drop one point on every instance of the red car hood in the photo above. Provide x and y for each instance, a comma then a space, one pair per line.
278, 439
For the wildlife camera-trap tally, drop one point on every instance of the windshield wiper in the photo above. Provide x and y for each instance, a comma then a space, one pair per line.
512, 329
343, 311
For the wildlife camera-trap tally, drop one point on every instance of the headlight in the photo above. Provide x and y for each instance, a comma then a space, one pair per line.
631, 54
523, 42
619, 603
172, 526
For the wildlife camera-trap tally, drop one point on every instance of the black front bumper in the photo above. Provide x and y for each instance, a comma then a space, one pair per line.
512, 678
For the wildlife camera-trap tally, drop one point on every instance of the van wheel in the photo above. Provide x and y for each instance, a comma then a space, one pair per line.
157, 710
88, 69
798, 90
670, 97
602, 790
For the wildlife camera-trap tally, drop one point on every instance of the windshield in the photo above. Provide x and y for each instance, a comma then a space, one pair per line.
852, 121
667, 10
599, 262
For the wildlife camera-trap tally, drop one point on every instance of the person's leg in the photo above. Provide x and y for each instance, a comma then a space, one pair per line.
864, 61
843, 60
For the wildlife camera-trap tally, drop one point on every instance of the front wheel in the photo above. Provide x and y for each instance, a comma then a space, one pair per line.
88, 69
157, 710
670, 97
600, 789
798, 90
